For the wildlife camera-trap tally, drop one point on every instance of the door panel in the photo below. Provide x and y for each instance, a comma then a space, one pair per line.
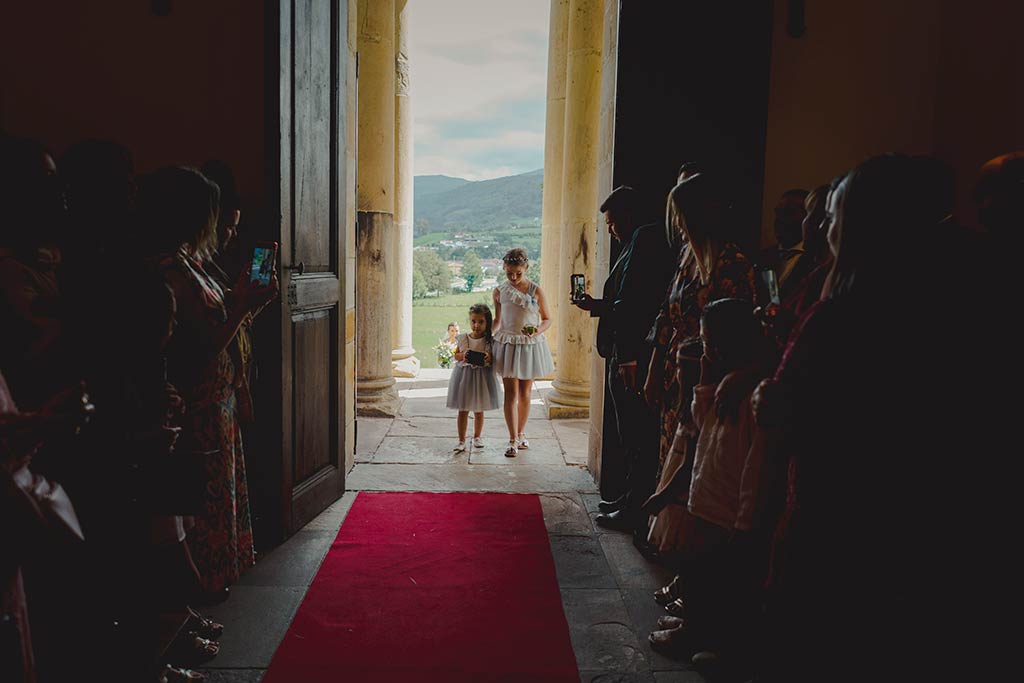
312, 52
312, 123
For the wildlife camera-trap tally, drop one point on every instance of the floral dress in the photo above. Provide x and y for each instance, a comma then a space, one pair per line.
677, 324
221, 542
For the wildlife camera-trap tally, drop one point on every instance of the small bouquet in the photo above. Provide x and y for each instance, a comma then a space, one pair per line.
445, 355
529, 329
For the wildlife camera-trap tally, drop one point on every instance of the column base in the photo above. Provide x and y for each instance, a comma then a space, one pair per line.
407, 366
567, 400
377, 397
402, 352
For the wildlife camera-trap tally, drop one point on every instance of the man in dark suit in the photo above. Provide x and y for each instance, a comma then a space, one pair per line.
632, 296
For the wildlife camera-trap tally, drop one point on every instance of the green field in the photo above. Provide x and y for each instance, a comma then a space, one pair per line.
430, 318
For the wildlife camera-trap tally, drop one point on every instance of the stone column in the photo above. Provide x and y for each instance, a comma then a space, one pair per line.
570, 395
603, 241
554, 145
375, 237
405, 364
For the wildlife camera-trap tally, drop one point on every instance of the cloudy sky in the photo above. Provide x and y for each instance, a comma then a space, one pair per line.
479, 69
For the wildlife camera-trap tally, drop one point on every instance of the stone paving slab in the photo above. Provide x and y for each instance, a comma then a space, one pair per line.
611, 677
233, 675
678, 677
331, 518
370, 431
255, 620
500, 478
540, 452
564, 515
294, 563
445, 427
630, 568
579, 563
418, 450
602, 635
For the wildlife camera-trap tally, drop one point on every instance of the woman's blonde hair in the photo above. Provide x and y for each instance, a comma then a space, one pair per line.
696, 205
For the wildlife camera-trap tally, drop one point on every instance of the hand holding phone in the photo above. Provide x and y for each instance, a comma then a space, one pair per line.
578, 286
261, 270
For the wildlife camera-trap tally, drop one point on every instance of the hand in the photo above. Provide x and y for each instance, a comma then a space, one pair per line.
252, 296
487, 358
628, 375
459, 356
653, 389
586, 302
708, 371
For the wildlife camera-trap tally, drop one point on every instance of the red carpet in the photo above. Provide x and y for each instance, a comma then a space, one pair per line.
426, 587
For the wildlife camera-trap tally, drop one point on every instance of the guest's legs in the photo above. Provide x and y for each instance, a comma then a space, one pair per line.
525, 387
463, 421
511, 390
478, 424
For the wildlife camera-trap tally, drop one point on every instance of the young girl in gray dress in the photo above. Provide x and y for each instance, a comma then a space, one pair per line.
521, 352
473, 387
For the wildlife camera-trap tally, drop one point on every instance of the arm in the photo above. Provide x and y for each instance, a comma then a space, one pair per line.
460, 347
545, 316
496, 298
750, 480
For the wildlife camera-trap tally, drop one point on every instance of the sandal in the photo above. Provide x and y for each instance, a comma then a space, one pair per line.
523, 443
668, 593
204, 626
511, 451
676, 608
173, 674
193, 649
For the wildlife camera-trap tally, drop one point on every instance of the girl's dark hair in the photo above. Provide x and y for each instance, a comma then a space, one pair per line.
485, 311
179, 206
734, 326
516, 257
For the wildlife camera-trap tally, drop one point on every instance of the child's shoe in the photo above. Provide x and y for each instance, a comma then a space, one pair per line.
460, 447
478, 442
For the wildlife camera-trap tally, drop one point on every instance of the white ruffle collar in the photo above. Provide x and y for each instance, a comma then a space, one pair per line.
517, 297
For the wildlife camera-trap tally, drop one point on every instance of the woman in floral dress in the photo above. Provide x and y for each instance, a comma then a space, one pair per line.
181, 207
711, 267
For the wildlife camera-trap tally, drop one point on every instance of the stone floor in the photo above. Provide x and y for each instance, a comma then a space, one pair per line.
606, 585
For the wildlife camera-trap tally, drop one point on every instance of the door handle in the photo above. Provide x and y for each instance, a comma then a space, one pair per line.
301, 268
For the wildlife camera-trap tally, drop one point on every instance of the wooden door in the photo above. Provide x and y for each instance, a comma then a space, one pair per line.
312, 58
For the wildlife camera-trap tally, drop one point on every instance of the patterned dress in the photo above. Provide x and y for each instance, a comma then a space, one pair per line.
677, 324
221, 542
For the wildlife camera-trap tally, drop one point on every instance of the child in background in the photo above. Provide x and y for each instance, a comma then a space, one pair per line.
473, 387
521, 352
722, 564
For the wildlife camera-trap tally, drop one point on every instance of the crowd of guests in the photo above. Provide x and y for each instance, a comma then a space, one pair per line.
125, 375
798, 429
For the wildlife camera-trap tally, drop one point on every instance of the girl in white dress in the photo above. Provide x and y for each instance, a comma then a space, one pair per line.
521, 352
473, 388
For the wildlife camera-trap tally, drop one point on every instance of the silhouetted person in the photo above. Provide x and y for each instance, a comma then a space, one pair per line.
783, 257
630, 301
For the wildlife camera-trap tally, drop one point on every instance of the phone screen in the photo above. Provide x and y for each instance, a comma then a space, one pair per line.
579, 286
773, 286
262, 265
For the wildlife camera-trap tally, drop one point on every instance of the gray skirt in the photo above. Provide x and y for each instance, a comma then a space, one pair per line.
474, 389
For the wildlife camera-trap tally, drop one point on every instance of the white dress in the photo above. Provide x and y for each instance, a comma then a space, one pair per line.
516, 354
472, 387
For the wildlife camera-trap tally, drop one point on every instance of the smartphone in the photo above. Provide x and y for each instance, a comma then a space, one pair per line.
579, 286
772, 284
263, 257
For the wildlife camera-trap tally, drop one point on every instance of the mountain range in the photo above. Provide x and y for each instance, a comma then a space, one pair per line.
451, 204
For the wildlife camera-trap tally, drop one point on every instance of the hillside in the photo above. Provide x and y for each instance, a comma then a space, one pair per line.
424, 185
454, 204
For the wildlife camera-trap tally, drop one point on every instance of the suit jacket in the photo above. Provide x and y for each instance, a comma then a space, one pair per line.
633, 294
